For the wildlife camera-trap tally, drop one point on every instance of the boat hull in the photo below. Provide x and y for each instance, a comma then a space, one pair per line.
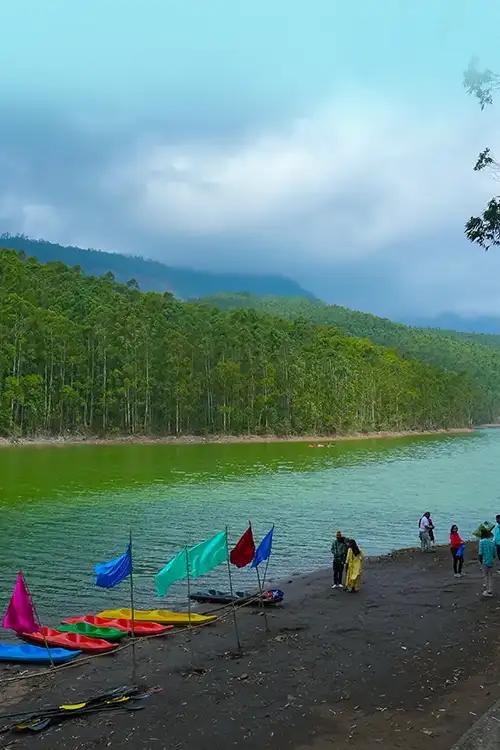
166, 616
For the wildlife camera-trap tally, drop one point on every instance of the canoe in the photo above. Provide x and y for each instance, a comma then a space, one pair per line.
94, 631
26, 653
167, 616
212, 596
73, 641
140, 628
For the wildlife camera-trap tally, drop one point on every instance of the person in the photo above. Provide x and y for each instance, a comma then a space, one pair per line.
496, 538
354, 563
423, 532
339, 552
457, 551
487, 552
431, 531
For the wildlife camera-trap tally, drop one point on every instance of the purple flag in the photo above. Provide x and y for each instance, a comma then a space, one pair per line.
19, 615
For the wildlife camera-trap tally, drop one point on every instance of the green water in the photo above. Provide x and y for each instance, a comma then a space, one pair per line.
64, 508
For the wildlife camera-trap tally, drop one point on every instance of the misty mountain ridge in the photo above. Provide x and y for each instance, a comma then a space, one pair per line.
152, 275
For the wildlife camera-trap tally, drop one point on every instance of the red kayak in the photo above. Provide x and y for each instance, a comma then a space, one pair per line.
140, 628
73, 641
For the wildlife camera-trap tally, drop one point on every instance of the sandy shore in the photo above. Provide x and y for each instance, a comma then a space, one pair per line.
221, 439
413, 658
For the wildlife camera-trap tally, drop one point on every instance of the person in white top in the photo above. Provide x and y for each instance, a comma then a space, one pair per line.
424, 526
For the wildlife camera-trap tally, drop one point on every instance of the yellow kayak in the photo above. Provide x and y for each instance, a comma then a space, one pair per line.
167, 616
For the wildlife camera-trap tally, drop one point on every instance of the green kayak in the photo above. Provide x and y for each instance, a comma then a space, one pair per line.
93, 631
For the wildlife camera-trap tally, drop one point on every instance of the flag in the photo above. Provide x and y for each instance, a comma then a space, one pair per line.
20, 615
112, 573
242, 554
203, 557
264, 549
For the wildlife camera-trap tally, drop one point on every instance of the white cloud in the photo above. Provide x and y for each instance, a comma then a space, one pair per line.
345, 182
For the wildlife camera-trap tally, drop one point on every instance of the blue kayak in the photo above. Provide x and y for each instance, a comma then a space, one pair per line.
35, 654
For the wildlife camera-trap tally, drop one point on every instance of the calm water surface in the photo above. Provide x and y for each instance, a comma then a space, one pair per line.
62, 509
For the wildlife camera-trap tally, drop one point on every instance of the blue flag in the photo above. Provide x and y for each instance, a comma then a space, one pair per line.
112, 573
264, 549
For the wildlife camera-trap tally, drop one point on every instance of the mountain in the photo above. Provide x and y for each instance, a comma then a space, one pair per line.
478, 355
87, 355
152, 275
451, 322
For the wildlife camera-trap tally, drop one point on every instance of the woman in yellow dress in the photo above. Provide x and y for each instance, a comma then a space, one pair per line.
354, 565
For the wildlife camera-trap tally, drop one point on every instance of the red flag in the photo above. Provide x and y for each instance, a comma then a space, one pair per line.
20, 615
242, 554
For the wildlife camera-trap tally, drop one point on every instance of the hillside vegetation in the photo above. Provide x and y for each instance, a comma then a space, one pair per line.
151, 275
89, 355
478, 355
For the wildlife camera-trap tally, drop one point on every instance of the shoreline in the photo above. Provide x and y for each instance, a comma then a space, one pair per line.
63, 440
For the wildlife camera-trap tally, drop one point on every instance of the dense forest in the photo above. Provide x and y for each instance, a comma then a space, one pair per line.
478, 355
151, 275
87, 355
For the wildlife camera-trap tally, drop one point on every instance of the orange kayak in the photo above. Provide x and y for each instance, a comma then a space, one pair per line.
73, 641
140, 628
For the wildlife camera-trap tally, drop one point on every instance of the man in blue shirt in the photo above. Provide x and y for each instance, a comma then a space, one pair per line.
496, 537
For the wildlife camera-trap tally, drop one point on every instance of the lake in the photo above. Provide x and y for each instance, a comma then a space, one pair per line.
64, 508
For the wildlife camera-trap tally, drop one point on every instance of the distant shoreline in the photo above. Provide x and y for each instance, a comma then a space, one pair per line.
315, 440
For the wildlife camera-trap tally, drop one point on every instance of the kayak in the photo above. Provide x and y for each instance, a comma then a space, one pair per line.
140, 628
73, 641
94, 631
35, 654
166, 616
212, 596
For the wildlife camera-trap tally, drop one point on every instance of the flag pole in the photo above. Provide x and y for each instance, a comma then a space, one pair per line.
52, 665
132, 608
261, 602
267, 564
189, 586
232, 597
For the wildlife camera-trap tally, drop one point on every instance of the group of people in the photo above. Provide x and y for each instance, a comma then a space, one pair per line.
489, 548
347, 564
348, 558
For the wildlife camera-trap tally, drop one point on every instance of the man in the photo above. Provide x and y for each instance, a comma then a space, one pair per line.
339, 552
496, 537
424, 526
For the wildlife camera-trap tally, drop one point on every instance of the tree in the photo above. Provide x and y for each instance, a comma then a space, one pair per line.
484, 229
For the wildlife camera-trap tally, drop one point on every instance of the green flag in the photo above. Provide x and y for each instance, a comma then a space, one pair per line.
203, 557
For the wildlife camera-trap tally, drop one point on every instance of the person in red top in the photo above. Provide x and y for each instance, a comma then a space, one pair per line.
457, 551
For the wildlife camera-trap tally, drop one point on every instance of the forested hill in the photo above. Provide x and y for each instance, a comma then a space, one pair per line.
87, 355
476, 354
151, 275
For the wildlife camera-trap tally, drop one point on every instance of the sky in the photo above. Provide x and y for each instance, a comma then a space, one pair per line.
328, 141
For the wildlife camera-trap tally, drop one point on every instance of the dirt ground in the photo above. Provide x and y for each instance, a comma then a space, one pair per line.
412, 657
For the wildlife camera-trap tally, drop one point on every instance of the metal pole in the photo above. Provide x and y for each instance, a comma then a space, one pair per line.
132, 606
38, 621
261, 603
132, 609
189, 586
262, 599
267, 564
232, 596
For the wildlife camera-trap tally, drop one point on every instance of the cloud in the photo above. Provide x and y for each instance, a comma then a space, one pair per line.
363, 200
342, 183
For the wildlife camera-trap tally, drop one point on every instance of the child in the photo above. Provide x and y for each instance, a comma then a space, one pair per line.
457, 551
354, 564
487, 552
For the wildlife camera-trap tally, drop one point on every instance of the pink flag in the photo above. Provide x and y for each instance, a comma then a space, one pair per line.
19, 615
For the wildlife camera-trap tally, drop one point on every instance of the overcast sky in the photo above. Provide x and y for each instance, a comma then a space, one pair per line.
330, 141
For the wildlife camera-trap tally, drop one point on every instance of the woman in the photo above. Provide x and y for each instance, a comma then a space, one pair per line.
354, 564
487, 559
457, 551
